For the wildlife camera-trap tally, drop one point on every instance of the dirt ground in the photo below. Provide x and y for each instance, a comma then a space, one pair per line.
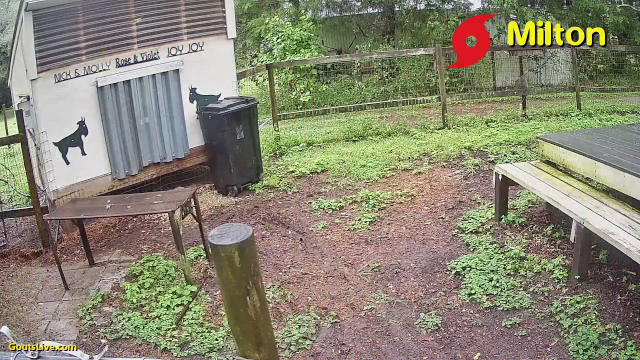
327, 269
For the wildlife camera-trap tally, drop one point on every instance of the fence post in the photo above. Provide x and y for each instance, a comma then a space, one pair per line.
443, 89
523, 82
43, 227
272, 96
234, 252
4, 116
493, 70
576, 77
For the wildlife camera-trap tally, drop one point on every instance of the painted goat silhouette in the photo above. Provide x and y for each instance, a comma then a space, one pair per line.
73, 140
202, 100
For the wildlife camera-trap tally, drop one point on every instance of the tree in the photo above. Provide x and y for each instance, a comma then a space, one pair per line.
8, 12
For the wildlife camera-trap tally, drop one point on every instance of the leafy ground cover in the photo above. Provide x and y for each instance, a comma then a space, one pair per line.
430, 275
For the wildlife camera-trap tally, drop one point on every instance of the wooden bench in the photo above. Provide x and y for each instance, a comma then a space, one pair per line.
594, 212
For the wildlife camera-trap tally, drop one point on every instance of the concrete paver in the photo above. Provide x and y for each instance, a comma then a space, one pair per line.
59, 308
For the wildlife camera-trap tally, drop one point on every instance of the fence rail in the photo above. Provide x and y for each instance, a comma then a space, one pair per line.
353, 82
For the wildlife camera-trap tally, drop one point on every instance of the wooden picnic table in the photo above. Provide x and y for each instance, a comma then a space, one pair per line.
178, 204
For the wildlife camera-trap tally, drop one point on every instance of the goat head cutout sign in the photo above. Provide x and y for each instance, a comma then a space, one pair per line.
73, 140
202, 100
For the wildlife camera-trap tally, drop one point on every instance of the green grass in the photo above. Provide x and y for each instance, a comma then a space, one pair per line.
14, 189
11, 122
367, 146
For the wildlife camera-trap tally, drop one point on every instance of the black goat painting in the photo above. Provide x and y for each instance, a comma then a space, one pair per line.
202, 100
73, 140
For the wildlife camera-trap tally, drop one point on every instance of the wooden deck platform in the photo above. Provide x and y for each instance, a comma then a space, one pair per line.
610, 156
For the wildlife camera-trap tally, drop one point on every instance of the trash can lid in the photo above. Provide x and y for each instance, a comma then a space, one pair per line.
227, 105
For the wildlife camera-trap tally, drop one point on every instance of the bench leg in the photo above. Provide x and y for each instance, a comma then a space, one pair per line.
501, 200
581, 253
85, 242
175, 219
198, 218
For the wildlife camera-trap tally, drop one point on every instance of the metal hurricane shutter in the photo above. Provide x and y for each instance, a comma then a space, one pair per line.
89, 29
143, 122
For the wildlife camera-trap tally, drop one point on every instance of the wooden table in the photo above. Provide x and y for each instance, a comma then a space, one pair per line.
610, 156
178, 204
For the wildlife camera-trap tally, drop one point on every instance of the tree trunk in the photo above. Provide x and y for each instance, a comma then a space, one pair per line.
389, 21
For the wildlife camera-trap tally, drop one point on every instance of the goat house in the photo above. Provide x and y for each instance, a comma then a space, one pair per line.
104, 85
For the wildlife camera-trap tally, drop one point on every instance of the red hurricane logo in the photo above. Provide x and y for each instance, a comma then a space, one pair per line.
469, 55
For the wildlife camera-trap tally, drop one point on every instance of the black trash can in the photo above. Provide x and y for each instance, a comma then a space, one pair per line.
230, 130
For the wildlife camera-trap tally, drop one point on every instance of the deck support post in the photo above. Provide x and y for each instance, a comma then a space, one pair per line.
581, 253
235, 256
501, 200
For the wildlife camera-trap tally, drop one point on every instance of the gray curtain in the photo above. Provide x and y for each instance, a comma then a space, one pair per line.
143, 122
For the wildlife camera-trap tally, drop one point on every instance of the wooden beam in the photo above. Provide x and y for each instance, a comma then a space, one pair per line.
442, 86
43, 226
251, 72
602, 173
105, 184
12, 139
353, 57
272, 97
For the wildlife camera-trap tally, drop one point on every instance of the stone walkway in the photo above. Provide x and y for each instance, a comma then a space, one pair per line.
58, 308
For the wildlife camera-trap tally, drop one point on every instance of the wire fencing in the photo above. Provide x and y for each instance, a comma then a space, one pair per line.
354, 82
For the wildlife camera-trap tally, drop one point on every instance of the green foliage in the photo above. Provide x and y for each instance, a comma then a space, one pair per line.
471, 165
196, 254
370, 203
8, 12
86, 311
363, 222
586, 337
376, 299
496, 276
603, 256
299, 333
429, 322
330, 206
517, 207
153, 297
319, 226
476, 220
511, 322
276, 294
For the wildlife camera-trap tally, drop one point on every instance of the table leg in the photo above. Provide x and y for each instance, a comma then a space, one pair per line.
85, 241
198, 218
54, 246
175, 219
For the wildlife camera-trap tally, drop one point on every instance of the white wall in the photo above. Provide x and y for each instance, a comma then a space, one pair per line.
59, 106
18, 81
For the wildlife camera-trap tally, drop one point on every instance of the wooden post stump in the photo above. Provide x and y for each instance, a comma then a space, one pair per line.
234, 252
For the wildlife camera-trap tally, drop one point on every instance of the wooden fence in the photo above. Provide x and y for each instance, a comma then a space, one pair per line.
18, 174
505, 71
